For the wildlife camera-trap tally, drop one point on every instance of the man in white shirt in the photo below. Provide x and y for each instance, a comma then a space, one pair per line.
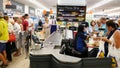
30, 21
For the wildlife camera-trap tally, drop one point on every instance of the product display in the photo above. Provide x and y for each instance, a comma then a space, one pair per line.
71, 13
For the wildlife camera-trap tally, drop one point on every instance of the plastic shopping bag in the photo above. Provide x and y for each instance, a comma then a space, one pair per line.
12, 37
111, 54
101, 50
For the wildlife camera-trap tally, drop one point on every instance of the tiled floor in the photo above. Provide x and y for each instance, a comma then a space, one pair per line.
19, 62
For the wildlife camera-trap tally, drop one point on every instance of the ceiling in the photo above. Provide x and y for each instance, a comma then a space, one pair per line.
104, 8
90, 3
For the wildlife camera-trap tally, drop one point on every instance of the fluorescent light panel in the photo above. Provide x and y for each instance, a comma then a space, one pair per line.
118, 8
108, 11
72, 2
116, 13
99, 13
99, 4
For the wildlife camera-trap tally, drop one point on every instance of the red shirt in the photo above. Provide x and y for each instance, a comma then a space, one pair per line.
25, 25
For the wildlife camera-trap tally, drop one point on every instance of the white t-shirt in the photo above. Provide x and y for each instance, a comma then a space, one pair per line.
30, 21
17, 28
10, 27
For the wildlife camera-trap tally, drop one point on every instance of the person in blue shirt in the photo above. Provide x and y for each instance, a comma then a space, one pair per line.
103, 21
97, 26
79, 43
92, 26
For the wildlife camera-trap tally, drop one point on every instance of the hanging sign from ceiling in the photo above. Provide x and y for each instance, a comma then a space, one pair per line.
19, 6
31, 11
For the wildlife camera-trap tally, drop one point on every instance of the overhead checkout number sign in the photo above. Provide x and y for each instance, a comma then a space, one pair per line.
18, 7
31, 11
10, 6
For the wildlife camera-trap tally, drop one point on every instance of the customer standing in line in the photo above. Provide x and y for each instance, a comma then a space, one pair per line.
46, 27
98, 26
112, 27
4, 37
92, 26
112, 40
8, 45
18, 29
26, 34
103, 21
25, 22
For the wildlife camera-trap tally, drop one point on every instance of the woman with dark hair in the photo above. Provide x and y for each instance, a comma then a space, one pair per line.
79, 43
39, 26
112, 44
113, 37
40, 23
112, 27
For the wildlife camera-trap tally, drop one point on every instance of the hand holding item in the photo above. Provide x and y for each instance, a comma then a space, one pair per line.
96, 38
105, 39
96, 43
100, 38
93, 42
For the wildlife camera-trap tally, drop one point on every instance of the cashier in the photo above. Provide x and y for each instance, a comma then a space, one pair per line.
79, 43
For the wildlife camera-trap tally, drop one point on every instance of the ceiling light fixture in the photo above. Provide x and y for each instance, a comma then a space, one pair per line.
99, 4
72, 2
116, 13
38, 4
108, 11
99, 13
118, 8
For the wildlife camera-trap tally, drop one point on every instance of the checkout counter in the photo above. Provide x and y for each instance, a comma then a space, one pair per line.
49, 57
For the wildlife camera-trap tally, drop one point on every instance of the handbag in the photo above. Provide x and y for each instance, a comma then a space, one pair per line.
12, 37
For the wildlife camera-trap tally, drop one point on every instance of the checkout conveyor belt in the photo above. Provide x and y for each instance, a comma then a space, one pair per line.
54, 39
49, 57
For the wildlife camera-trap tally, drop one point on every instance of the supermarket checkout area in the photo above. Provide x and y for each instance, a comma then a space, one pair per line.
49, 56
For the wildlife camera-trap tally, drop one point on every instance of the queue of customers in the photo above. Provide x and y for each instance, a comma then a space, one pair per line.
17, 27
